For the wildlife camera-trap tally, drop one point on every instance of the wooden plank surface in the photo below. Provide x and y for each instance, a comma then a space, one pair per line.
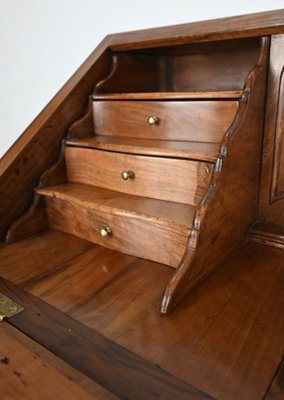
42, 254
153, 177
227, 339
226, 94
201, 151
270, 234
250, 25
104, 200
194, 120
29, 372
115, 368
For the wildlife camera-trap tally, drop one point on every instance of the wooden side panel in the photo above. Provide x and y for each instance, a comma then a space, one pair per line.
215, 66
230, 205
29, 372
179, 181
150, 239
272, 180
177, 120
133, 74
120, 371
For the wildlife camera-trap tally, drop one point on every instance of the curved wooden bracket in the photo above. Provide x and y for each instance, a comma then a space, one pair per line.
229, 206
34, 220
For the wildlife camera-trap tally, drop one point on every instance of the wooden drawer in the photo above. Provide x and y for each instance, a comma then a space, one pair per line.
141, 236
201, 121
179, 181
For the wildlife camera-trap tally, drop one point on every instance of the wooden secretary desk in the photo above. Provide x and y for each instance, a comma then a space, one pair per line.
159, 162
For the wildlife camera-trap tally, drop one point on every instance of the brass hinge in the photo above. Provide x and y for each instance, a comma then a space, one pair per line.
8, 307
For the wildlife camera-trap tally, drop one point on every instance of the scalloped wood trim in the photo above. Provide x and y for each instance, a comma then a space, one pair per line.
219, 225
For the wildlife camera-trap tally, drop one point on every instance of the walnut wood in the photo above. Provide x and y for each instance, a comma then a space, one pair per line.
272, 180
237, 94
122, 75
31, 223
178, 120
147, 228
39, 255
118, 370
28, 373
185, 68
221, 66
37, 148
226, 338
84, 126
230, 205
269, 234
244, 26
154, 177
202, 151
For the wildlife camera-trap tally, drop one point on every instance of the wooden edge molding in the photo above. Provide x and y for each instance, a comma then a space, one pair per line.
84, 126
110, 74
31, 223
268, 234
120, 371
249, 25
210, 242
34, 220
276, 193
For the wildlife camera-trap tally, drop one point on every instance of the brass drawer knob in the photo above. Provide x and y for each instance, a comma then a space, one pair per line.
105, 231
127, 175
153, 120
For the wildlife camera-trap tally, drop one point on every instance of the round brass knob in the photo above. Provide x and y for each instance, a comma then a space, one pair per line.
153, 120
127, 175
105, 231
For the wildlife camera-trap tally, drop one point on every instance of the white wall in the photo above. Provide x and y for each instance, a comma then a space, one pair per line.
42, 42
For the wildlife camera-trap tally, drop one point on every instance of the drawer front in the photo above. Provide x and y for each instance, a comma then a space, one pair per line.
180, 181
141, 237
199, 121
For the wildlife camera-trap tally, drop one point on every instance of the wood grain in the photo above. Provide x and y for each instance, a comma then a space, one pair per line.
242, 26
226, 94
201, 151
146, 228
38, 147
178, 120
27, 372
212, 67
179, 181
222, 65
34, 221
122, 75
118, 370
25, 259
226, 339
272, 188
269, 234
230, 206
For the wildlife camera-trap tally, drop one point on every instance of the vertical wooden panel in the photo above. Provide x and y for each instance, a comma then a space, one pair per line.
272, 181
